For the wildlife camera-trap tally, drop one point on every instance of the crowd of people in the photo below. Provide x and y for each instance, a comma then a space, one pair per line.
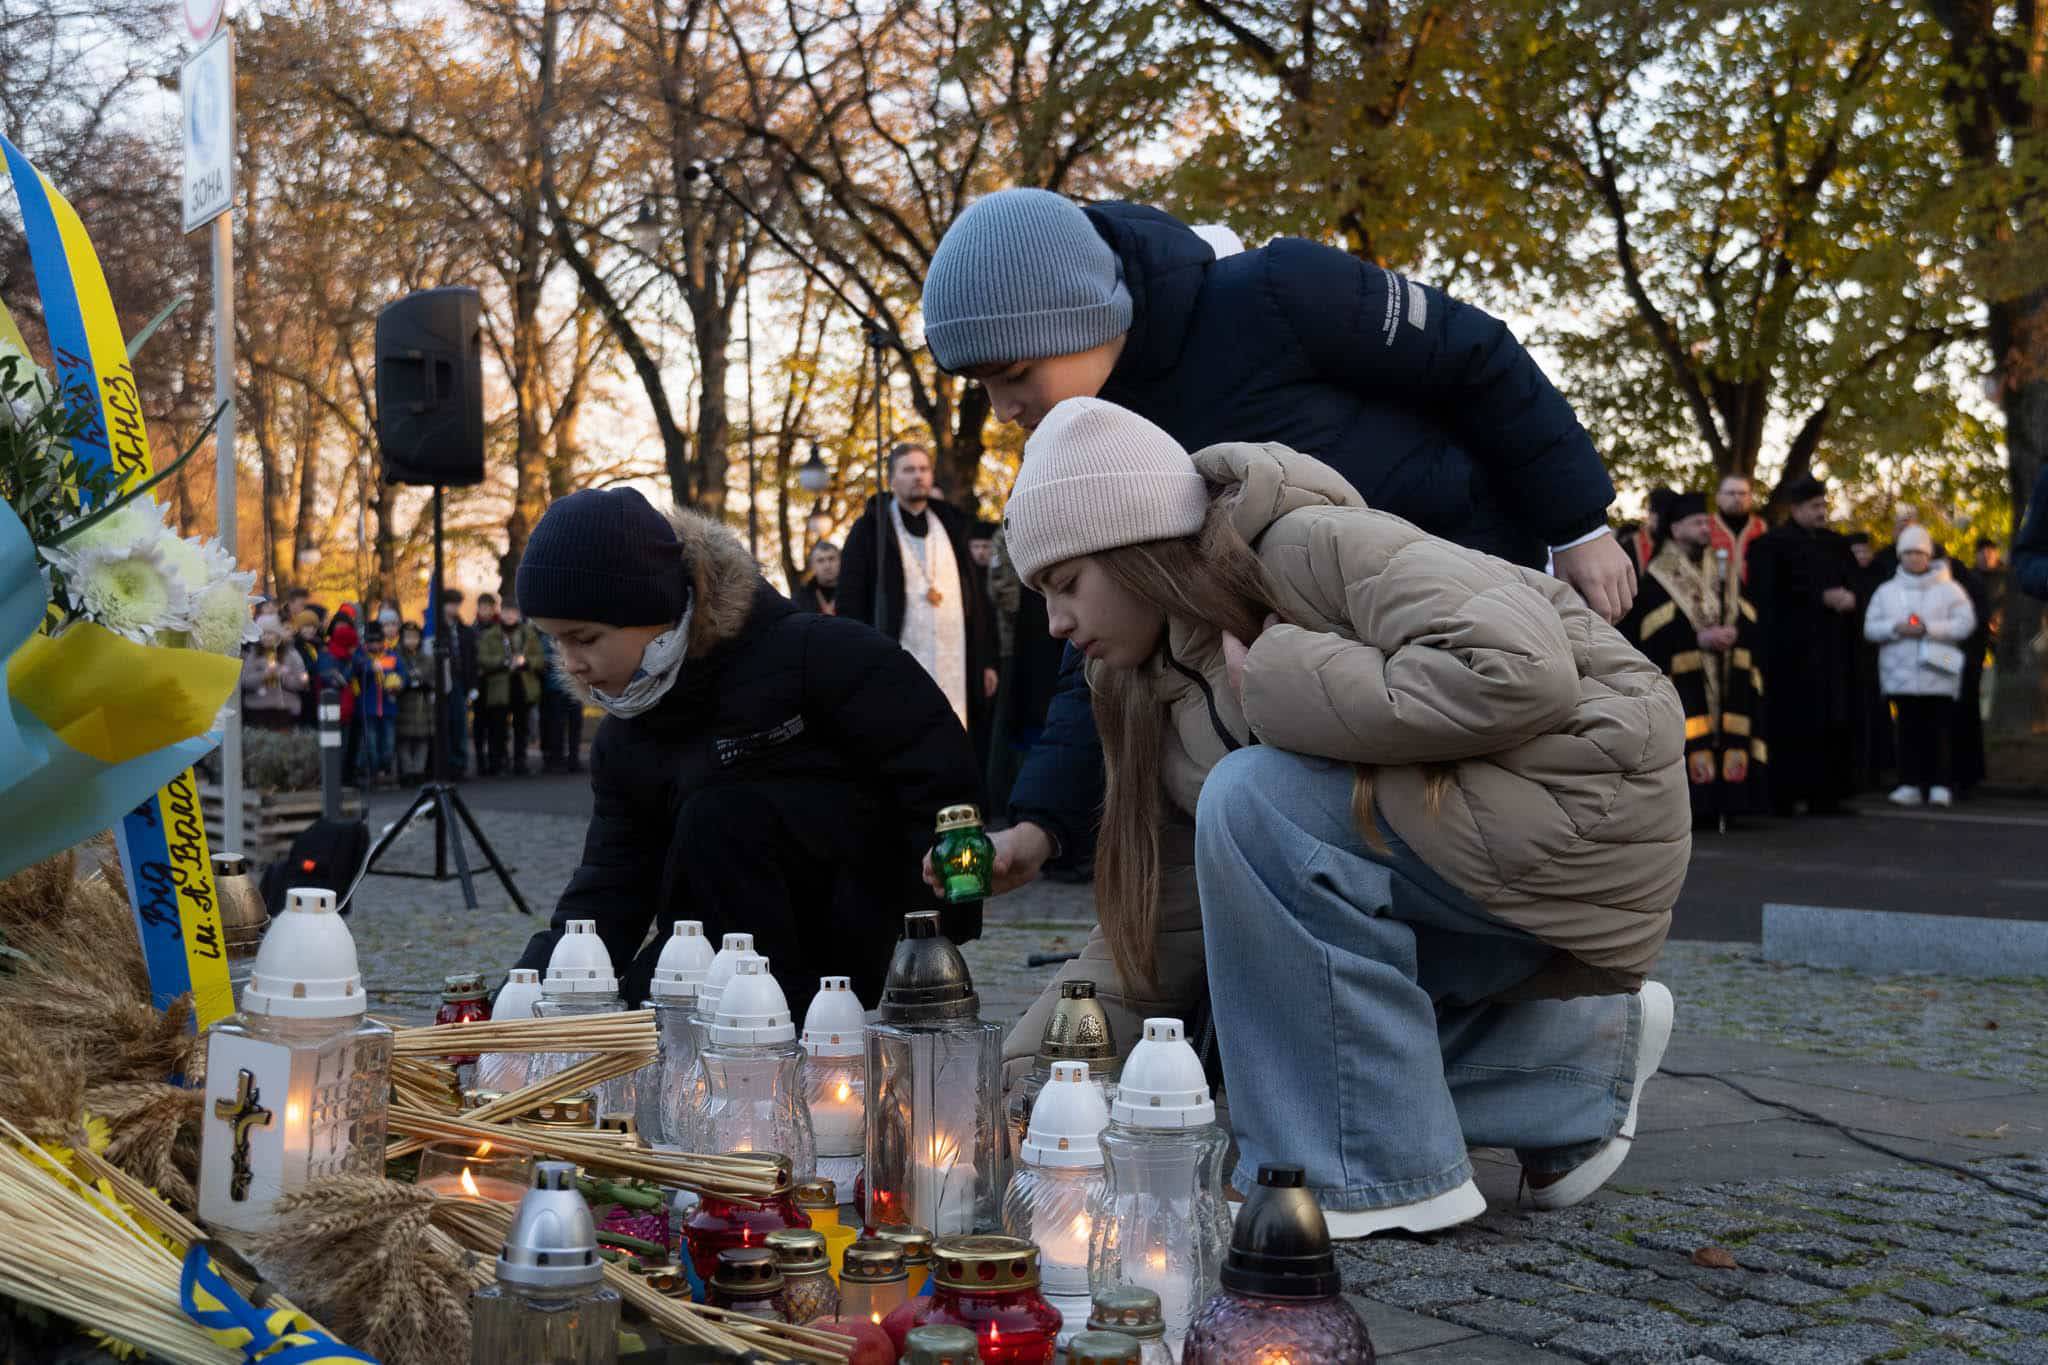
501, 692
1811, 664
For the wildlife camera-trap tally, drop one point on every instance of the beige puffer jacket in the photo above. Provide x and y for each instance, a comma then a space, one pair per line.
1567, 813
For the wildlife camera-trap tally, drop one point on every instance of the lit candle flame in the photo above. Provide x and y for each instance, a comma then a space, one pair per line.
875, 1318
469, 1186
483, 1149
844, 1093
1157, 1260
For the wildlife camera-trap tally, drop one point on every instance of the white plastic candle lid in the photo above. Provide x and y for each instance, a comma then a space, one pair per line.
580, 964
1163, 1085
306, 965
753, 1008
1067, 1120
520, 994
834, 1025
731, 950
685, 961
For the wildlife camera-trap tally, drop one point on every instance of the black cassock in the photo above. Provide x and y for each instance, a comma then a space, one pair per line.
1811, 709
1726, 752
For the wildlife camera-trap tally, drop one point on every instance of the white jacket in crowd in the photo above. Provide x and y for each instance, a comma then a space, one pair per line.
1931, 665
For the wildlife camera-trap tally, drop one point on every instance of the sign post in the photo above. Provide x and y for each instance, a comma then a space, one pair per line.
206, 89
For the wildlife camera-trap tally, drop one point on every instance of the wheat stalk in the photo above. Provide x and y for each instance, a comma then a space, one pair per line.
589, 1072
626, 1031
73, 1251
742, 1179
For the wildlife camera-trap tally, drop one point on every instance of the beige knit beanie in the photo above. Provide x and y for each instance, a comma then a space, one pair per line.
1095, 477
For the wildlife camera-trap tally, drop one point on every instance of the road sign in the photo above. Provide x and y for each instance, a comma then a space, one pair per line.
202, 17
206, 89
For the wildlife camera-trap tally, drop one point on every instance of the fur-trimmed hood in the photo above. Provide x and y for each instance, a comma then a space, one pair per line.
724, 582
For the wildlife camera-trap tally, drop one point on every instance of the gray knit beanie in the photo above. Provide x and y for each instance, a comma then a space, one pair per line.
1096, 477
1020, 276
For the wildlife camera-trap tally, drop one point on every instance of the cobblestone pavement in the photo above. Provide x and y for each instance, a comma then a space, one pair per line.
1908, 1264
410, 933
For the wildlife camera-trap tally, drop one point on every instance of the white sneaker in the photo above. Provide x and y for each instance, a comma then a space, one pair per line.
1439, 1211
1941, 796
1904, 796
1579, 1183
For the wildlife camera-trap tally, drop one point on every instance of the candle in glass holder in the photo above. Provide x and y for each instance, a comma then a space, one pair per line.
458, 1171
835, 1077
872, 1282
916, 1245
988, 1285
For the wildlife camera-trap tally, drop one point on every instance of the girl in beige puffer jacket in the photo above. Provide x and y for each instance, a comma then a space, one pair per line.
1440, 812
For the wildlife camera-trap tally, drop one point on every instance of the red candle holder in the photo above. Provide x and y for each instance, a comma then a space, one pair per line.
464, 1000
721, 1225
989, 1285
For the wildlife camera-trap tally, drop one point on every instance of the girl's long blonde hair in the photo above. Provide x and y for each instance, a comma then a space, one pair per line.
1215, 579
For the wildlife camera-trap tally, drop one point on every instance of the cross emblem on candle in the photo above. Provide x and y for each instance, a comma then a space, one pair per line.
242, 1114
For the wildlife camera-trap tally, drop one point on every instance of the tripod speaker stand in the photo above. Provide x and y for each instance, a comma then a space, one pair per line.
441, 799
430, 421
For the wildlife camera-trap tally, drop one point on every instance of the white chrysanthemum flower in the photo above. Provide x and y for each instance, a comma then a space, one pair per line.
129, 590
220, 618
138, 521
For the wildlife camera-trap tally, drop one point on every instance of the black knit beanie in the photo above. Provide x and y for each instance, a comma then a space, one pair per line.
604, 555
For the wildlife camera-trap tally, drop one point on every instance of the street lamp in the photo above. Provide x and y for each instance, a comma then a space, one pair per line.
813, 477
647, 229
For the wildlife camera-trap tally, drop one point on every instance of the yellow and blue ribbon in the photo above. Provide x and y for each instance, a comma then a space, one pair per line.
162, 842
275, 1336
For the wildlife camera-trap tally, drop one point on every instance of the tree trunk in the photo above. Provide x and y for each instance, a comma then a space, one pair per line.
2019, 333
713, 337
529, 459
307, 467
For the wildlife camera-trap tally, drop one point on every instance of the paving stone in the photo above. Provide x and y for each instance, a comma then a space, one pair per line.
1596, 1307
1813, 1246
1879, 1308
1518, 1322
2023, 1351
1635, 1341
2008, 1288
1937, 1298
1783, 1289
1518, 1285
1939, 1355
1754, 1318
2001, 1261
1423, 1291
1607, 1279
1678, 1297
2029, 1320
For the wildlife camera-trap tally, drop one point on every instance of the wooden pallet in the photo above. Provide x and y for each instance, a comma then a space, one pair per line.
270, 820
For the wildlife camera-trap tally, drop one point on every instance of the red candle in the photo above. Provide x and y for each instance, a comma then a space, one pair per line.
989, 1285
720, 1225
871, 1345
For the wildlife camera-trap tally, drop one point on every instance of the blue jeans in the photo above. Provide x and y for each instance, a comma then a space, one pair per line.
380, 739
1350, 987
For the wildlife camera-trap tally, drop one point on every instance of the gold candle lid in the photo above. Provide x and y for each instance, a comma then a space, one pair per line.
817, 1194
946, 1345
799, 1251
1103, 1348
959, 817
479, 1097
1078, 1030
748, 1271
870, 1260
915, 1242
1128, 1309
569, 1111
985, 1264
619, 1123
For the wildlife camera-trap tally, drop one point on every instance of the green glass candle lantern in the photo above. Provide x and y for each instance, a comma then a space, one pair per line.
964, 858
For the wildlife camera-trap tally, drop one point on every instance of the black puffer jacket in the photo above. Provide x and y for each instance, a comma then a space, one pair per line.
1428, 407
838, 730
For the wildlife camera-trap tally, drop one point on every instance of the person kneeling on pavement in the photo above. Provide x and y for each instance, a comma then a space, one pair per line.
1440, 813
760, 769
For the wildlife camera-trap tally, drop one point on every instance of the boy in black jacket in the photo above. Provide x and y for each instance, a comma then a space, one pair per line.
760, 769
1429, 407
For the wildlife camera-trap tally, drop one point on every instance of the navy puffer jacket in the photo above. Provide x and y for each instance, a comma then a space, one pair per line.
1429, 407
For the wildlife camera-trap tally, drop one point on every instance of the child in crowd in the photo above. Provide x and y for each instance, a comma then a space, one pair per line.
1427, 407
759, 768
1440, 809
415, 730
274, 678
1919, 619
377, 685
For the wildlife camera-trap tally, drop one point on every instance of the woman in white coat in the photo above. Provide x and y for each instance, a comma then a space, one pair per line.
1919, 620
